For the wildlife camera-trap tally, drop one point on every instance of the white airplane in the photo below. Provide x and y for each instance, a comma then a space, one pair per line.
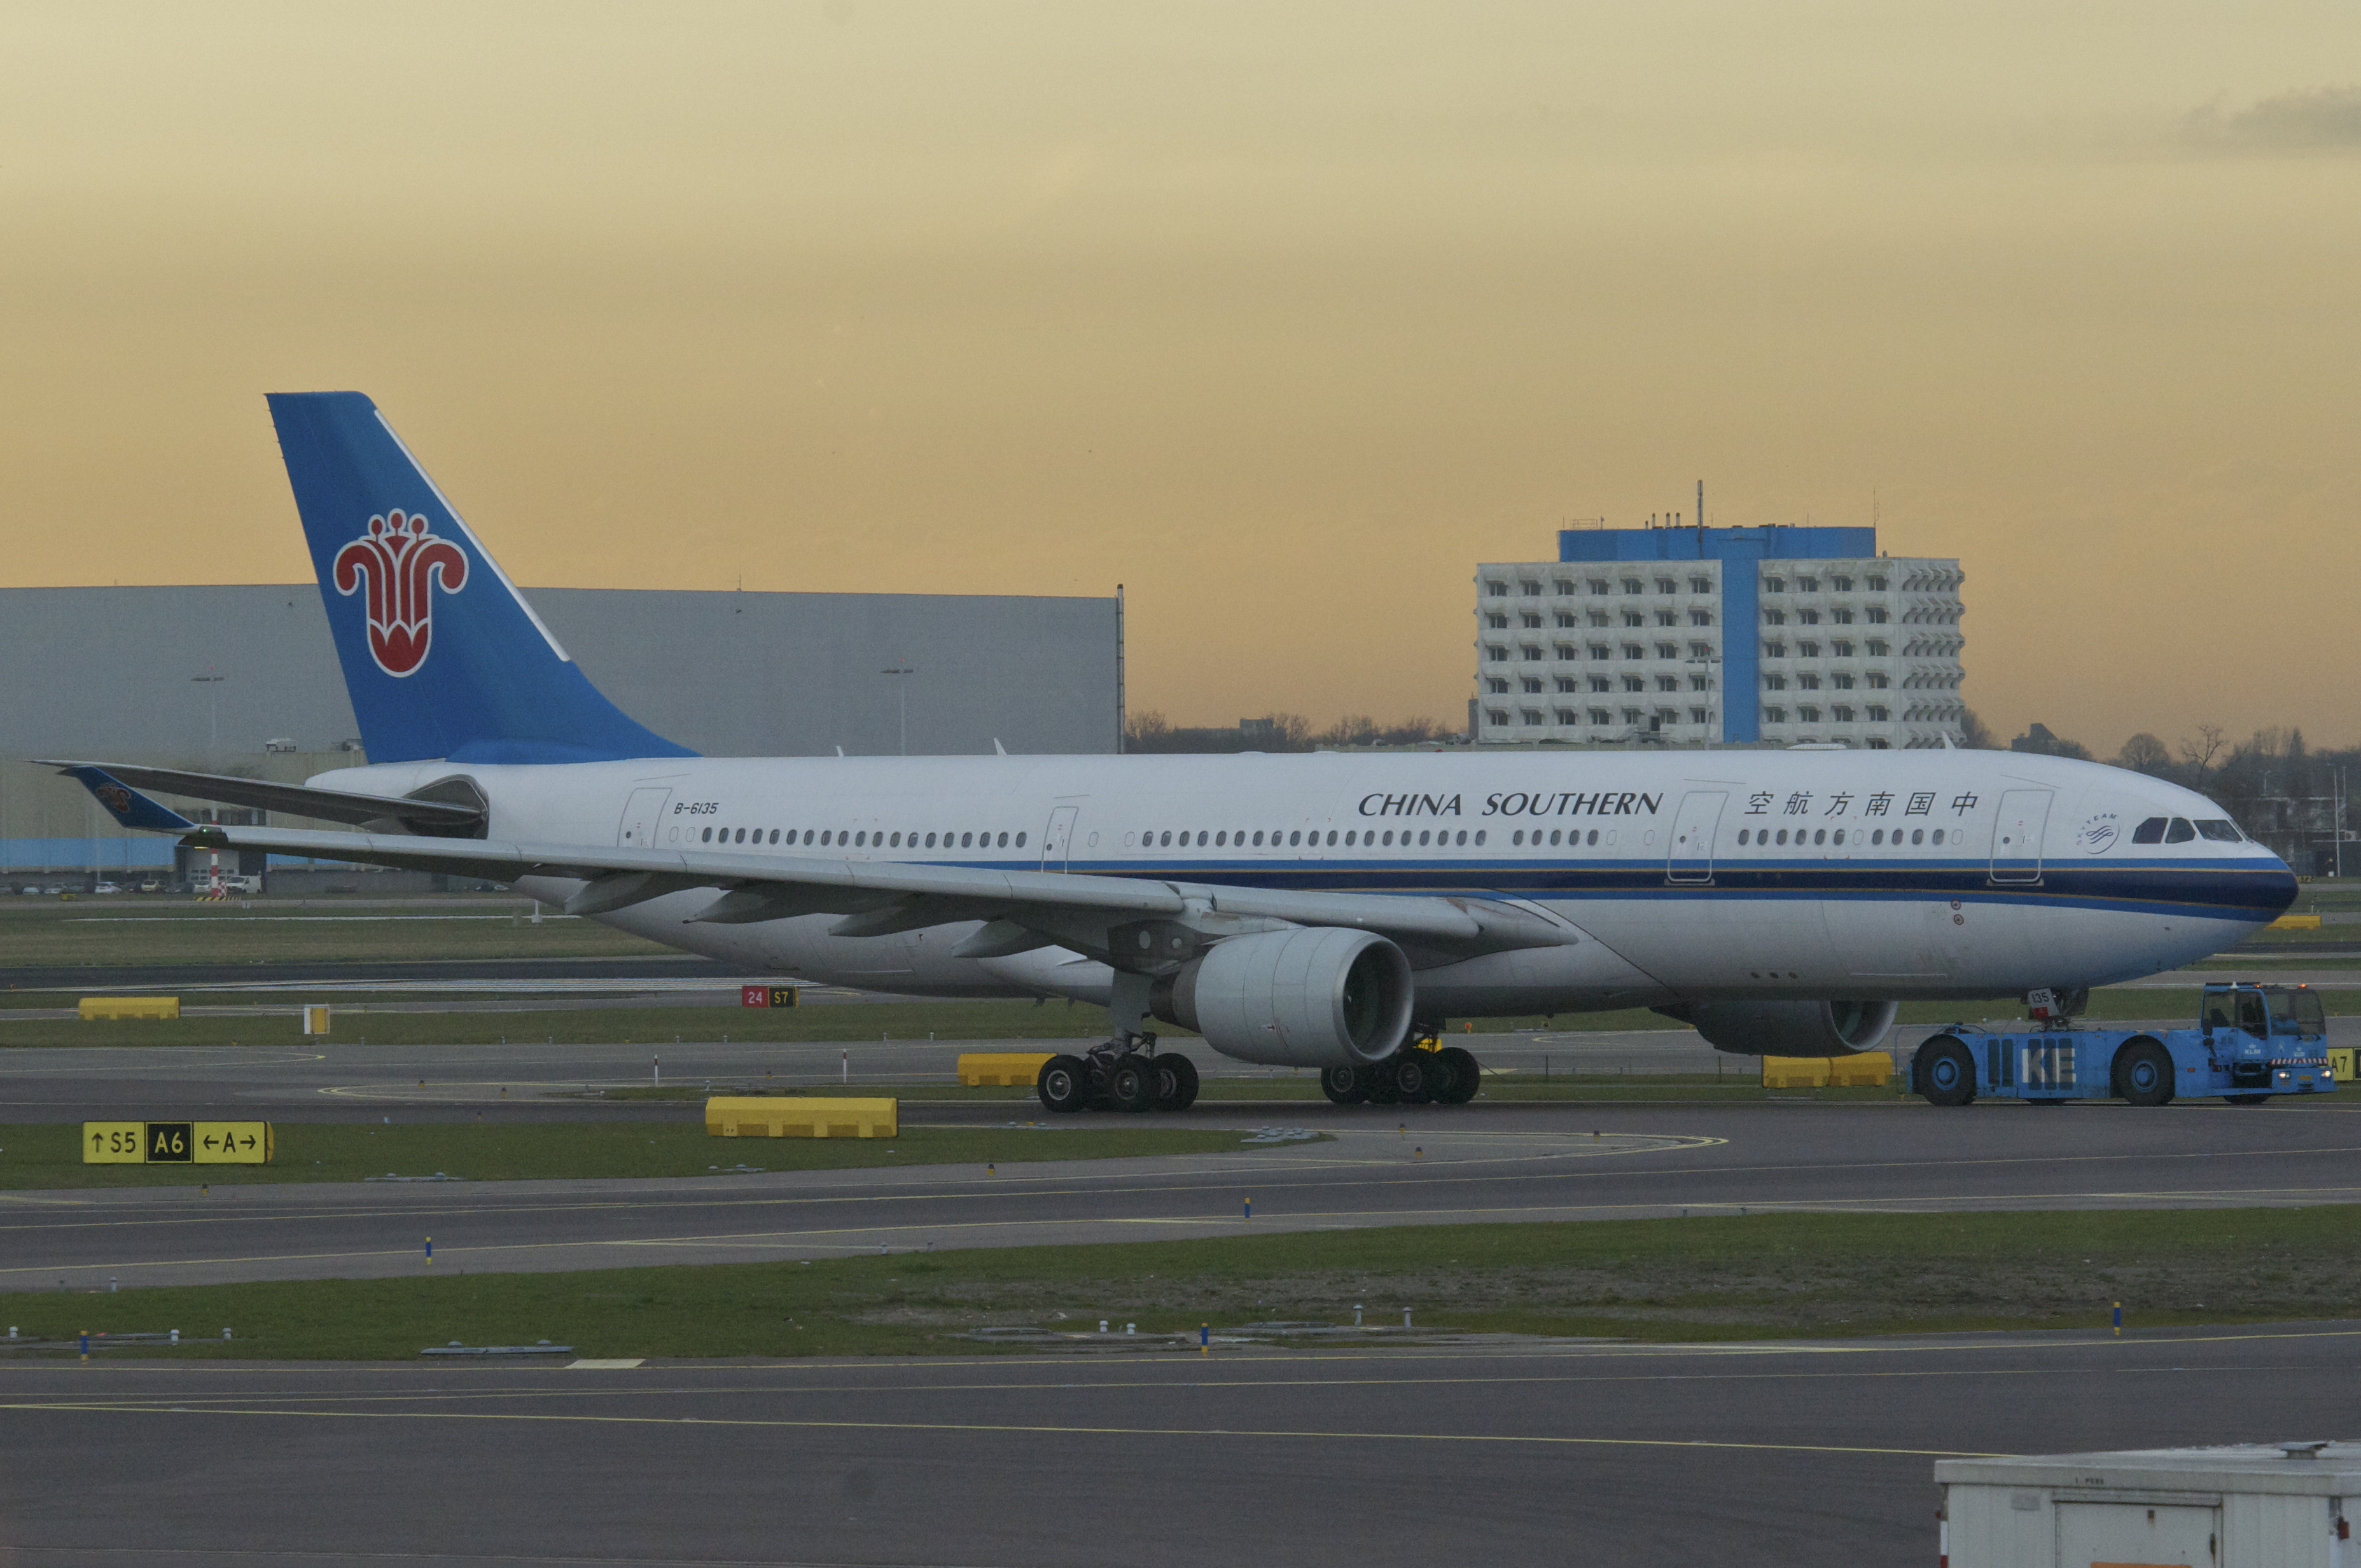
1329, 911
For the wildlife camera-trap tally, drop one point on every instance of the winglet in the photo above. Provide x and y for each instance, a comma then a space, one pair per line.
127, 804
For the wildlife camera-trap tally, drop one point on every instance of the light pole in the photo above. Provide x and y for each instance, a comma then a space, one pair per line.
212, 683
1711, 663
902, 692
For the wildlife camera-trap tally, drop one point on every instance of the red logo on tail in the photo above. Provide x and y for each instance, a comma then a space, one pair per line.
402, 564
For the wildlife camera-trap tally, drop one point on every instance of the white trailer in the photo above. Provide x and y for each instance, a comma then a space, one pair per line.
2283, 1505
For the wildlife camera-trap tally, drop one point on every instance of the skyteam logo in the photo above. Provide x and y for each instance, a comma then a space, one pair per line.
403, 563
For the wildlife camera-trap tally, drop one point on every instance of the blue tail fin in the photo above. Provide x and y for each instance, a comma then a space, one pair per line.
442, 655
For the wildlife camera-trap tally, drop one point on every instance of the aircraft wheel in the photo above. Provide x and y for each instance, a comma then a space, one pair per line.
1466, 1076
1948, 1071
1132, 1084
1176, 1081
1414, 1074
1063, 1084
2144, 1073
1345, 1085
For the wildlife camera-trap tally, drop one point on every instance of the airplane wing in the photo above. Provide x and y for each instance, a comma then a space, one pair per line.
1022, 909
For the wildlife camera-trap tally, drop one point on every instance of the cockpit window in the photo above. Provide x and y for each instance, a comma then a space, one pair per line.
2181, 832
2219, 829
2298, 1010
2149, 832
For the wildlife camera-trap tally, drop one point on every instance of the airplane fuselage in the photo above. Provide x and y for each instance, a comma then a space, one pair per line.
1688, 875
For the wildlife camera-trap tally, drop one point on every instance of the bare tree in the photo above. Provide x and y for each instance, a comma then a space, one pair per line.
2144, 753
2200, 753
1146, 731
1293, 732
1974, 736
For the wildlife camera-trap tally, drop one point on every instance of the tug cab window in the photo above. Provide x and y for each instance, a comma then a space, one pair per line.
2297, 1010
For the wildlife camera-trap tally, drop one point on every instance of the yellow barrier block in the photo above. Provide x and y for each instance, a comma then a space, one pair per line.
1021, 1069
740, 1116
130, 1007
2296, 923
1870, 1069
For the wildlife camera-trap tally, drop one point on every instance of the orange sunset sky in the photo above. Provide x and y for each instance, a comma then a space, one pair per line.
1285, 316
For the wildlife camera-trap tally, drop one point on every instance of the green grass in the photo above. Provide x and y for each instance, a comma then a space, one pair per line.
1704, 1279
35, 1156
285, 931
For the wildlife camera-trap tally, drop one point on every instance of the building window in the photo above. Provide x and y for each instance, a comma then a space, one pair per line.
1567, 683
1601, 650
1700, 618
1497, 623
1877, 680
1533, 716
1877, 743
1493, 652
1700, 650
1808, 683
1700, 716
1635, 586
1842, 585
1877, 584
1807, 649
1634, 618
1668, 617
1667, 586
1808, 715
1668, 650
1842, 714
1700, 683
1532, 687
1635, 683
1598, 618
1633, 651
1770, 684
1602, 684
1841, 617
1532, 623
1774, 716
1879, 714
1808, 616
1668, 683
1840, 647
1877, 615
1807, 584
1770, 585
1598, 585
1842, 681
1774, 650
1601, 716
1700, 584
1877, 647
1633, 716
1491, 716
1562, 586
1497, 588
1496, 685
1568, 716
1568, 650
1528, 586
1565, 619
1775, 617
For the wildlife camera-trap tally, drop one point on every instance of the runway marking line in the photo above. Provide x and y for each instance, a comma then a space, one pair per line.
1294, 1222
1001, 1429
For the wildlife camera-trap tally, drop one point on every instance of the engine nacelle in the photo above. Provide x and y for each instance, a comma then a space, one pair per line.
1790, 1029
1322, 996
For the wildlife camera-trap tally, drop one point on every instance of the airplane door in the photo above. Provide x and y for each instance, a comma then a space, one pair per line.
1056, 839
641, 815
1694, 825
2016, 835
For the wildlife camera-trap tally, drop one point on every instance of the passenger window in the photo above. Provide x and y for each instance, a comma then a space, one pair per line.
965, 839
1390, 838
2149, 832
1938, 835
1221, 838
2181, 832
1479, 835
1020, 841
930, 840
1257, 843
1332, 835
774, 834
1554, 832
1519, 837
708, 836
2217, 830
808, 835
1421, 838
1295, 837
1463, 835
1917, 835
1593, 839
1201, 840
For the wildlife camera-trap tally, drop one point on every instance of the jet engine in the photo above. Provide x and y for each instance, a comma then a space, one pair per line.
1789, 1028
1318, 997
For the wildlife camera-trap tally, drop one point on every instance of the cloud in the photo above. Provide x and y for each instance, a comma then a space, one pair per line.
2324, 119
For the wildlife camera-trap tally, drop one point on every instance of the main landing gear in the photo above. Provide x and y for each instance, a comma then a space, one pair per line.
1424, 1071
1120, 1075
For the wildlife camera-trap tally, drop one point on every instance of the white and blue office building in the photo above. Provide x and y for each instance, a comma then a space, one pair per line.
1775, 635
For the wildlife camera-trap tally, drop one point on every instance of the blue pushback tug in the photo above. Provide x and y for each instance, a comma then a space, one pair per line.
2251, 1042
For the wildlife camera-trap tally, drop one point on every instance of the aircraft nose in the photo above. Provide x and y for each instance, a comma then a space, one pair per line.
2279, 886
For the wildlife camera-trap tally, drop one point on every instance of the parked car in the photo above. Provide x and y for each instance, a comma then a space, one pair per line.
106, 887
